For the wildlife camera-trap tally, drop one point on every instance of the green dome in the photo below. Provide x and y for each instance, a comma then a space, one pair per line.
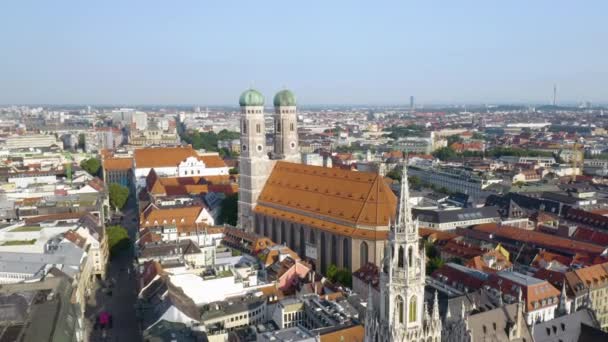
251, 97
284, 98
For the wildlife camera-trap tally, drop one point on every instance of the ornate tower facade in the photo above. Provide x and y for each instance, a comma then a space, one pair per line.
402, 314
286, 127
253, 163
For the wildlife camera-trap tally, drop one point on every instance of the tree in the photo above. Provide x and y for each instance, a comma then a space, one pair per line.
118, 195
395, 173
414, 181
91, 166
434, 264
444, 153
339, 275
233, 171
478, 136
454, 139
81, 140
118, 239
229, 211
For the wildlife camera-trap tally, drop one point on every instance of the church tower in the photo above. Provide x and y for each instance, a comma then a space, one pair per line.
253, 163
402, 314
286, 127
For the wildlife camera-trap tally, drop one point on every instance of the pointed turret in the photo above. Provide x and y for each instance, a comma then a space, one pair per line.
563, 301
404, 218
436, 307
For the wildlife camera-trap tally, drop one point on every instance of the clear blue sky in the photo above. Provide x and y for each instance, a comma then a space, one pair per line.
328, 52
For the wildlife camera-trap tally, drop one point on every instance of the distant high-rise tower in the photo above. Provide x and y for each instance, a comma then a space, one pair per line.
554, 94
411, 103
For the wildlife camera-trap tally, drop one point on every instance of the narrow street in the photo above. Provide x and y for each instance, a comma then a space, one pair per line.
121, 303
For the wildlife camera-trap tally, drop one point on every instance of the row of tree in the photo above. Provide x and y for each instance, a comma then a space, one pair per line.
208, 140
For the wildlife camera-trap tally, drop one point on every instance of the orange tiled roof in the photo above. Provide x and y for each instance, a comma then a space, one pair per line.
353, 198
162, 156
182, 217
542, 239
593, 276
212, 161
112, 164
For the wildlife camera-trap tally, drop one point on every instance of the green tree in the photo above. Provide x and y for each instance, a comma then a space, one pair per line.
414, 181
91, 166
444, 153
233, 171
118, 195
454, 139
81, 140
433, 264
229, 210
118, 239
339, 275
395, 173
478, 136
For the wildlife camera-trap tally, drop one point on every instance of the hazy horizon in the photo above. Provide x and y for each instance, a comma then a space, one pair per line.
350, 53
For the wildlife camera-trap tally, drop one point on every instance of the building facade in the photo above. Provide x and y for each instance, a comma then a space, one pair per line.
401, 314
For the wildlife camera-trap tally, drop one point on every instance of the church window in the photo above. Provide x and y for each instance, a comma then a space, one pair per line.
400, 309
258, 128
244, 127
278, 127
410, 256
312, 237
363, 253
413, 309
401, 257
345, 254
291, 126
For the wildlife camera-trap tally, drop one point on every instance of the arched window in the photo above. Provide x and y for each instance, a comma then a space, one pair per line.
291, 126
311, 238
274, 231
292, 237
413, 309
323, 253
334, 250
258, 128
410, 256
400, 308
245, 127
278, 126
363, 253
302, 242
345, 254
401, 257
283, 234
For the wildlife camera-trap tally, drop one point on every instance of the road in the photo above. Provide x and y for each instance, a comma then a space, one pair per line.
121, 304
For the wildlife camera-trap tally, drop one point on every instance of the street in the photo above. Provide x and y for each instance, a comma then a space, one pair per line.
121, 303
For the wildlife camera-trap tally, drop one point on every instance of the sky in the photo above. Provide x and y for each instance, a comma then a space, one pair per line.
328, 52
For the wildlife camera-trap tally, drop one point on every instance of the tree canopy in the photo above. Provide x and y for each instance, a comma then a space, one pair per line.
229, 211
208, 140
91, 166
118, 239
454, 139
340, 275
118, 195
444, 153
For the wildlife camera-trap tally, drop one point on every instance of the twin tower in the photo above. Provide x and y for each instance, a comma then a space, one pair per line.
255, 164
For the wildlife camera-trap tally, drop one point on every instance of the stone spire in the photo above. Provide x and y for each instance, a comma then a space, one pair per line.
436, 307
404, 217
563, 300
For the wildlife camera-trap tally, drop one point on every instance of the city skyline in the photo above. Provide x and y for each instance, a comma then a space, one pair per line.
335, 54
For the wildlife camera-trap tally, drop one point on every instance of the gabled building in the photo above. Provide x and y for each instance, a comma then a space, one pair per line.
175, 162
